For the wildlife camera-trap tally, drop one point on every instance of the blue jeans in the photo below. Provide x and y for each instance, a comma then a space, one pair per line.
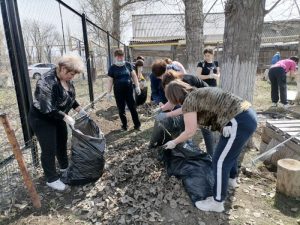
228, 150
209, 140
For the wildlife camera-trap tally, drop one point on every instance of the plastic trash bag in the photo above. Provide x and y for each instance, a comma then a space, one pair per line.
166, 130
87, 158
186, 161
141, 99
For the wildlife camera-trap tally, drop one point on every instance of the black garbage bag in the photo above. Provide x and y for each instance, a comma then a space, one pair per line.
87, 158
193, 166
141, 99
186, 162
166, 130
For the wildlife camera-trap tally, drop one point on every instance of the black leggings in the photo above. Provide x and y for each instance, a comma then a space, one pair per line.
52, 136
123, 95
277, 76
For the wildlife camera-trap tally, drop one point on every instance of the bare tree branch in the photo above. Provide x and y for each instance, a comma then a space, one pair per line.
269, 10
131, 2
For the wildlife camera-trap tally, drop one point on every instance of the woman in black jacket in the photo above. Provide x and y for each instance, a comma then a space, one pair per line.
54, 97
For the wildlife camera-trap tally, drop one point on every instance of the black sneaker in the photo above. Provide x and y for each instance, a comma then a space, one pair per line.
124, 128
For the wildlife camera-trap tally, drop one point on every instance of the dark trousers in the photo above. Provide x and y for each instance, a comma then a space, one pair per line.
277, 76
228, 150
52, 136
124, 96
208, 140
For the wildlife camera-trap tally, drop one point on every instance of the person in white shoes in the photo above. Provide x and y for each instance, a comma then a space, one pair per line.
216, 110
54, 97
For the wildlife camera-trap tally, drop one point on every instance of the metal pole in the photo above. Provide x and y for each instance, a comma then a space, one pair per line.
16, 50
62, 27
108, 50
87, 57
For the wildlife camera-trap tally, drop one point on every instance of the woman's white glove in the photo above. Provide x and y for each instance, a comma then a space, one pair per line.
170, 145
138, 90
227, 131
69, 120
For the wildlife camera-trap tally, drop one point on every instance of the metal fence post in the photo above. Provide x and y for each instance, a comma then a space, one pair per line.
87, 57
16, 49
108, 50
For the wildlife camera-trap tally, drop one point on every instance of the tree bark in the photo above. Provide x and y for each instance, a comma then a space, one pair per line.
297, 99
193, 33
242, 38
116, 20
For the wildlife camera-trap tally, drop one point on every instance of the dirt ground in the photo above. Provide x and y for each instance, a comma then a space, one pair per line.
135, 188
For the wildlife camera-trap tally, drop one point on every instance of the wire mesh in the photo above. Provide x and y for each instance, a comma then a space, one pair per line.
50, 30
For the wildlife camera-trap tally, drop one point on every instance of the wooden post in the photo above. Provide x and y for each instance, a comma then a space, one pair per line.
288, 177
19, 157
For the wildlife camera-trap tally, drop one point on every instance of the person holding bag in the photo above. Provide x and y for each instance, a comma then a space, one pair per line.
54, 97
121, 75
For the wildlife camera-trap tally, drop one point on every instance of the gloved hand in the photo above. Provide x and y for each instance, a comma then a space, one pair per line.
227, 131
69, 120
161, 116
82, 112
170, 145
213, 76
138, 90
157, 111
109, 96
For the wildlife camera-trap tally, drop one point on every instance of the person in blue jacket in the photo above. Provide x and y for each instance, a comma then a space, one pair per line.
275, 58
159, 67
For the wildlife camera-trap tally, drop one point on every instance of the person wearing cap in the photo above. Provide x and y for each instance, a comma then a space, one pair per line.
120, 80
54, 97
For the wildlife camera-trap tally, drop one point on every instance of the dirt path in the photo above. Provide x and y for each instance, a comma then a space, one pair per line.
136, 190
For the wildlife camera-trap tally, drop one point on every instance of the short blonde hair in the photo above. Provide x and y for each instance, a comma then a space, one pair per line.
72, 63
177, 91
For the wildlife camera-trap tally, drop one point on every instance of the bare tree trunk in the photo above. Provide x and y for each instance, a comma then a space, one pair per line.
116, 19
297, 100
194, 33
242, 38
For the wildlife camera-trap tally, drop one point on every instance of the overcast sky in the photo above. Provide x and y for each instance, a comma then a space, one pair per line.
48, 11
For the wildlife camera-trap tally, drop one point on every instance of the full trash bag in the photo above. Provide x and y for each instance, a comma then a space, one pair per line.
141, 99
87, 158
186, 161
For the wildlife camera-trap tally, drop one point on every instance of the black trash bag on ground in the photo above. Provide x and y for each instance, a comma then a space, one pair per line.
87, 158
166, 130
186, 162
141, 99
193, 166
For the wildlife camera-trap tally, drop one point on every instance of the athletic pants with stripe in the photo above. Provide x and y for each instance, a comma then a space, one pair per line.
228, 150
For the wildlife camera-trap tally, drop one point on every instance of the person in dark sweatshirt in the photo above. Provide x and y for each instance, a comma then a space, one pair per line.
54, 97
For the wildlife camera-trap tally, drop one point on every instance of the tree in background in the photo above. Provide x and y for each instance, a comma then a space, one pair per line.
39, 39
242, 39
193, 32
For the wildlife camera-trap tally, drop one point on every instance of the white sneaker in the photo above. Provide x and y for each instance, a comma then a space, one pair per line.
232, 183
57, 185
274, 104
286, 106
210, 204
